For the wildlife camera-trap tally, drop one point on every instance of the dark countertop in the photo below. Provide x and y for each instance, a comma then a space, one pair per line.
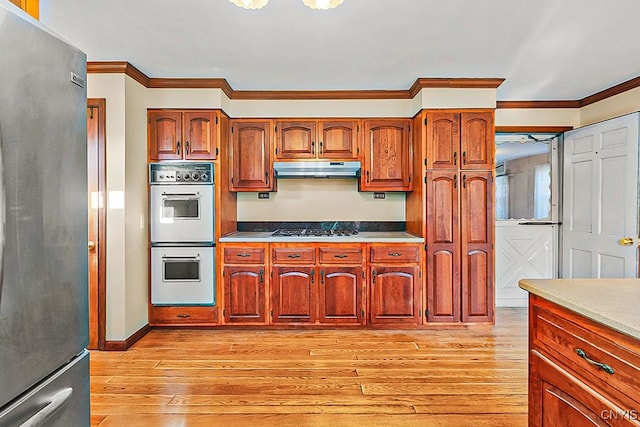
361, 237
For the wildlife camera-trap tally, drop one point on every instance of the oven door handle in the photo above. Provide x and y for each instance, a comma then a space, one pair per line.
182, 195
185, 258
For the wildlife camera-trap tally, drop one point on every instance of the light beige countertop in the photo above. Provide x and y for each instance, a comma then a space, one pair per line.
612, 302
362, 237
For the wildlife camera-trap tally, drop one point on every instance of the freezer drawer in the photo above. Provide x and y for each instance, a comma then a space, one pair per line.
61, 400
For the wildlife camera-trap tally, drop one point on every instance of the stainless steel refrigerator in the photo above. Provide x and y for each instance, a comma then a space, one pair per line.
44, 366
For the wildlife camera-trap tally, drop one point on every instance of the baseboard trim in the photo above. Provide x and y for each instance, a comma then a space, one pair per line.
126, 344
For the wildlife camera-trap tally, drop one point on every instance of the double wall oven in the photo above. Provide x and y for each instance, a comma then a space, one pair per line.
182, 209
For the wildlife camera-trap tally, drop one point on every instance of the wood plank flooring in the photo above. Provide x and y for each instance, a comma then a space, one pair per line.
458, 376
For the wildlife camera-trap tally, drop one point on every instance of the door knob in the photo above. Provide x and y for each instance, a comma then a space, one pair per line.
92, 245
626, 241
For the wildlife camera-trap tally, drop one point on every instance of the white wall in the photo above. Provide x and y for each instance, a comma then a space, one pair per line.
112, 88
615, 106
320, 200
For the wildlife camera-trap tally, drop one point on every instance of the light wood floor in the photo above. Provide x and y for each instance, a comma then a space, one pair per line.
464, 376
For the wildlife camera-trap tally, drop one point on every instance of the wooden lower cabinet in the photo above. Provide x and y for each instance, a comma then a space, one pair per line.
317, 284
395, 285
340, 295
244, 291
566, 389
245, 284
322, 284
293, 294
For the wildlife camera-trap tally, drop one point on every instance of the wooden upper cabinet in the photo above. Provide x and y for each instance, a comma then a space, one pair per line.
339, 139
312, 139
443, 140
182, 135
296, 140
165, 135
460, 140
250, 155
200, 135
387, 155
477, 140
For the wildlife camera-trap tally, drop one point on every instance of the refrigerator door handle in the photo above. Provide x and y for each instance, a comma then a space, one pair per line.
2, 212
56, 403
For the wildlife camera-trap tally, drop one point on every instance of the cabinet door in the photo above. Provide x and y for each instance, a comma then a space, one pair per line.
477, 140
443, 140
338, 139
387, 156
340, 295
244, 294
165, 135
200, 140
296, 140
559, 399
250, 156
293, 294
395, 294
443, 247
477, 229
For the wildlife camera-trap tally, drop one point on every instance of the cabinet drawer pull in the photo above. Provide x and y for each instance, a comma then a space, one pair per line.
394, 254
294, 255
183, 316
608, 369
340, 256
244, 255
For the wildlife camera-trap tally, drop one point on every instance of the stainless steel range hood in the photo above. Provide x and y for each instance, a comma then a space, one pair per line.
316, 169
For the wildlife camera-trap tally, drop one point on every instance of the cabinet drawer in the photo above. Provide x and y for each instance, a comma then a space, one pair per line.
244, 255
205, 315
337, 255
571, 343
293, 255
395, 253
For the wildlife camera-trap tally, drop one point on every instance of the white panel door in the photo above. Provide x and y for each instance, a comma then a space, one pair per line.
523, 251
600, 196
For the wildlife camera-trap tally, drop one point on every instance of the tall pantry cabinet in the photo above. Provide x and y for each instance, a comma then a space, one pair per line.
458, 220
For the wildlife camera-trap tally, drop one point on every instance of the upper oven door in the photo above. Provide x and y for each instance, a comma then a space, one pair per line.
181, 213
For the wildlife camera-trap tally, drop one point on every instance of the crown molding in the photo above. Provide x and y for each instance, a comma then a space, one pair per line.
532, 129
421, 83
537, 104
612, 91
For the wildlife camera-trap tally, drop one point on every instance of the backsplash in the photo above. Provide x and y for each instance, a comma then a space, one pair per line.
324, 225
320, 200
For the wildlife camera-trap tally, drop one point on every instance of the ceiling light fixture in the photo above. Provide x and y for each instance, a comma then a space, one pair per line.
250, 4
322, 4
313, 4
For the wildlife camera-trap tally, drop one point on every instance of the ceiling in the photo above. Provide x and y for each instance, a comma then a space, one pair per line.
544, 49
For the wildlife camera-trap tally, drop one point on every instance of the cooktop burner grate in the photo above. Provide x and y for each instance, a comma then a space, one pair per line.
313, 232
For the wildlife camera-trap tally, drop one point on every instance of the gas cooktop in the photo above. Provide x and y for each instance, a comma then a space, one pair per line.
314, 232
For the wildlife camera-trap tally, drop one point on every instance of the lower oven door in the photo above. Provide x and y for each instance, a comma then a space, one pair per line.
183, 275
181, 213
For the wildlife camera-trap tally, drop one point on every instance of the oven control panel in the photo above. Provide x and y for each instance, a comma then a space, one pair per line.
180, 173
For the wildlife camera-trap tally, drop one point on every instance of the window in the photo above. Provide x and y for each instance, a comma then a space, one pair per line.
524, 176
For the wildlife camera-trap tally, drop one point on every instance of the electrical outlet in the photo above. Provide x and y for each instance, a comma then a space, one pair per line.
379, 195
263, 195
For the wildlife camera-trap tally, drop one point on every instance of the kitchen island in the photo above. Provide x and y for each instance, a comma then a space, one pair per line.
584, 351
